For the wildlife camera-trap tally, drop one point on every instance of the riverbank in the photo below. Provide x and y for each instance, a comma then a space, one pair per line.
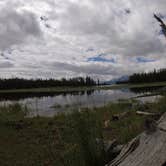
141, 85
69, 139
78, 89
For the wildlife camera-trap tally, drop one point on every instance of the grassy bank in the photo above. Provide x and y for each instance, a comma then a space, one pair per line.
141, 85
68, 140
76, 89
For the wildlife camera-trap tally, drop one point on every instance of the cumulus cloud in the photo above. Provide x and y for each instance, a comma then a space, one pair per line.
16, 27
6, 64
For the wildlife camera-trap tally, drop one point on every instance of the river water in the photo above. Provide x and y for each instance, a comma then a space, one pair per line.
50, 105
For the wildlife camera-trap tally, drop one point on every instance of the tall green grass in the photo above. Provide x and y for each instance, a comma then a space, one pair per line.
79, 136
12, 112
65, 140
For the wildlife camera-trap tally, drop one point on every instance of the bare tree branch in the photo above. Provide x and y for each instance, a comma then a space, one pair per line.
162, 24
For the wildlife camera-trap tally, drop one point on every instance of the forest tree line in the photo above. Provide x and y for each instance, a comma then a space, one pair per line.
20, 83
154, 76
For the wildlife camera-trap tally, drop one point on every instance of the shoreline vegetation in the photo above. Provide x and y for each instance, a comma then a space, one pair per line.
71, 139
82, 88
21, 85
146, 77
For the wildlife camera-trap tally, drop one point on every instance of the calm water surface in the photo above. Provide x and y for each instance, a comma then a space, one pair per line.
50, 105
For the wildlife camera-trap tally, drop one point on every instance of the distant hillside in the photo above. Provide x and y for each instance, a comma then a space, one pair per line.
117, 80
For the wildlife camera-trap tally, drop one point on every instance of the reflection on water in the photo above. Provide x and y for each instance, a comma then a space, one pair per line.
19, 96
49, 104
146, 89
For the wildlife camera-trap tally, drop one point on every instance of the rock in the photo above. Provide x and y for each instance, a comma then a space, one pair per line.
109, 145
150, 126
117, 149
112, 149
106, 123
117, 117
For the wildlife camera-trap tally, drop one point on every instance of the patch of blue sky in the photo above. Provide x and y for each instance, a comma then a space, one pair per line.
144, 60
101, 59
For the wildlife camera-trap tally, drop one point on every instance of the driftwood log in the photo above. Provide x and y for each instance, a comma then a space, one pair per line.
147, 113
146, 149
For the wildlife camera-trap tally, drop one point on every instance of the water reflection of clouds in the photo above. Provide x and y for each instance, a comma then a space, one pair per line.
49, 105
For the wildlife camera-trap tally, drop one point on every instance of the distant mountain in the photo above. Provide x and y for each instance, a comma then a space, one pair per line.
114, 81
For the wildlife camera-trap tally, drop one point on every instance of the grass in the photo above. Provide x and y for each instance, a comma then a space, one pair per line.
49, 90
56, 106
125, 128
68, 140
61, 141
141, 85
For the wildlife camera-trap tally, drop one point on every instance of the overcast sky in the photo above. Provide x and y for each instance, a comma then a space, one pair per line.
66, 38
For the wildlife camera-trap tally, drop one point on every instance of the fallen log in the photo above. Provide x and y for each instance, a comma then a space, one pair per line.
146, 149
129, 148
146, 113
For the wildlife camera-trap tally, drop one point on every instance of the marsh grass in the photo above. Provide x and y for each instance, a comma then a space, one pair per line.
62, 141
56, 106
13, 112
68, 139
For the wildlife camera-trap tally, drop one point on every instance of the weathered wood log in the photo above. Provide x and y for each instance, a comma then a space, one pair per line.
145, 149
129, 148
146, 113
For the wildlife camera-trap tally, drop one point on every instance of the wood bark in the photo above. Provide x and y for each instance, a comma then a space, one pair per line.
145, 149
